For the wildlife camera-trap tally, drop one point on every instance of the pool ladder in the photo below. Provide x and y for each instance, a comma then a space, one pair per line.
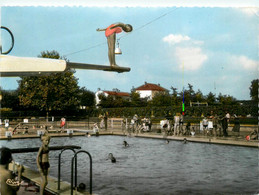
74, 161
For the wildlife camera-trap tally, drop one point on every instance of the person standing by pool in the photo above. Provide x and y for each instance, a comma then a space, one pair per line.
110, 33
227, 116
181, 124
101, 117
62, 124
224, 122
124, 125
43, 162
205, 125
215, 122
106, 120
176, 124
236, 127
135, 122
6, 124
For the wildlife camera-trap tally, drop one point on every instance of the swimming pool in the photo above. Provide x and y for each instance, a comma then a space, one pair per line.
150, 166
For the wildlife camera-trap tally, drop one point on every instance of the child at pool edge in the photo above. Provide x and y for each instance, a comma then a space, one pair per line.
43, 162
5, 174
110, 33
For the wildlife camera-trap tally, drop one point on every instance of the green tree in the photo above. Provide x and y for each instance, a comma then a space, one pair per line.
254, 90
86, 97
57, 91
226, 99
188, 95
175, 99
198, 96
210, 98
190, 91
112, 101
136, 100
9, 99
161, 99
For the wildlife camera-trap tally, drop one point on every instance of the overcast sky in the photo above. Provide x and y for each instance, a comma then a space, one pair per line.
214, 49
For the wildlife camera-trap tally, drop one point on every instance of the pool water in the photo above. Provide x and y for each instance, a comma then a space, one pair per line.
150, 166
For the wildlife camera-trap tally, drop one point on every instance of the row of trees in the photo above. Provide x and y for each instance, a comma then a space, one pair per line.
60, 92
167, 99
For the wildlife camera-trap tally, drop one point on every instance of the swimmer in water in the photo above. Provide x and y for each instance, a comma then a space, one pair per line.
167, 141
125, 143
184, 140
113, 159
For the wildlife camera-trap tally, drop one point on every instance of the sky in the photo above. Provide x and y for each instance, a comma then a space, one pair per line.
215, 49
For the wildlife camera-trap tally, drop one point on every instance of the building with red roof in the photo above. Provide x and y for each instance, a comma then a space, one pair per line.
148, 90
115, 93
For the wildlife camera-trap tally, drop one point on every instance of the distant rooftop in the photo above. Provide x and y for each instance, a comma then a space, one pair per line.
151, 86
115, 93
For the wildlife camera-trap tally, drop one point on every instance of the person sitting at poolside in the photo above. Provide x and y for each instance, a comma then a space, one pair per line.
254, 135
193, 131
8, 186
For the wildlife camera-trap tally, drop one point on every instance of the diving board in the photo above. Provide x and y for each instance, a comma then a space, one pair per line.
97, 67
12, 66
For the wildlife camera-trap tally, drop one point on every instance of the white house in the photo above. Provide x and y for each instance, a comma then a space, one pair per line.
148, 90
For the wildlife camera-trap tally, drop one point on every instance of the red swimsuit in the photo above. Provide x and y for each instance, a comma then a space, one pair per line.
110, 31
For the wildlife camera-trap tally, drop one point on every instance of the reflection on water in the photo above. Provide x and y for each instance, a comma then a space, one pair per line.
150, 166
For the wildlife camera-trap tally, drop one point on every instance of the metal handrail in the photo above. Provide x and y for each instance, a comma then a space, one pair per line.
12, 37
59, 165
72, 170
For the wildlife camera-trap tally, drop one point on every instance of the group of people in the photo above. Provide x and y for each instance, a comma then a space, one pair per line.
138, 125
218, 125
175, 126
211, 125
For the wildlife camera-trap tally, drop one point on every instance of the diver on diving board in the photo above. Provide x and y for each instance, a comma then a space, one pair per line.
110, 33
